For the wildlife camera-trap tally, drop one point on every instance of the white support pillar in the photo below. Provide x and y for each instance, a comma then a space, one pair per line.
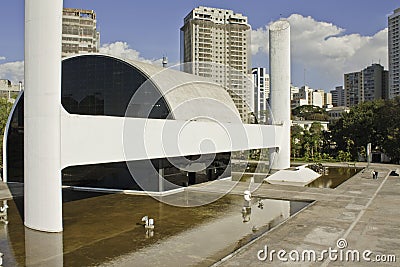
43, 29
279, 66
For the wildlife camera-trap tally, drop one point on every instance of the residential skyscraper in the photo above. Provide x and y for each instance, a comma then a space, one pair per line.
79, 32
215, 44
261, 93
394, 53
353, 88
373, 82
338, 97
366, 85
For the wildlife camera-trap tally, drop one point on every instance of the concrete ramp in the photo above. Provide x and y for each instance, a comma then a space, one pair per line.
301, 176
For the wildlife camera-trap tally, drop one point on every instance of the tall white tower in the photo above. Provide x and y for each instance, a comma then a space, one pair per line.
279, 66
42, 101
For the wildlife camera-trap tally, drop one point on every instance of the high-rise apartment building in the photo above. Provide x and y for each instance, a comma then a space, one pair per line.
374, 85
394, 53
353, 89
261, 93
215, 43
79, 32
366, 85
338, 97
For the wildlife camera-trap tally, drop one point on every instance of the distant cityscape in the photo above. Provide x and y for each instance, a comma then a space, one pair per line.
215, 44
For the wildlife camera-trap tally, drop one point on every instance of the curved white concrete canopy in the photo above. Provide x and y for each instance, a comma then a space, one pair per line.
188, 96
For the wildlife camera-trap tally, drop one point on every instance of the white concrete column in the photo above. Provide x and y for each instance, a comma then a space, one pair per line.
279, 67
43, 29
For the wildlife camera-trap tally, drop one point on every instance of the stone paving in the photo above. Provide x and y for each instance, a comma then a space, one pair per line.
363, 211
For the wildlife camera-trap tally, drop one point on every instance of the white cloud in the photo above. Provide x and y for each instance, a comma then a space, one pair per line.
13, 71
259, 41
325, 51
122, 50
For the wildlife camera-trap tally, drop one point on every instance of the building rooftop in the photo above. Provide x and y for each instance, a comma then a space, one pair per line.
216, 15
76, 12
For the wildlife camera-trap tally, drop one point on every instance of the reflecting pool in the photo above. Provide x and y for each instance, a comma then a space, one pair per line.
334, 176
107, 230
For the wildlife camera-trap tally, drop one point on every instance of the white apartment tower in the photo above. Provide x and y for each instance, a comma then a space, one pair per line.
79, 32
261, 93
394, 53
215, 43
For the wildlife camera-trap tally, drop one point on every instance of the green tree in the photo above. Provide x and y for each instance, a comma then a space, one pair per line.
358, 128
295, 141
310, 112
375, 122
316, 142
387, 126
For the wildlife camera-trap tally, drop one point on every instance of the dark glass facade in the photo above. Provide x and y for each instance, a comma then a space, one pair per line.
101, 85
15, 144
144, 174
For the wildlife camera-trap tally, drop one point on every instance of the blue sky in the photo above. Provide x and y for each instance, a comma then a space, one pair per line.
151, 29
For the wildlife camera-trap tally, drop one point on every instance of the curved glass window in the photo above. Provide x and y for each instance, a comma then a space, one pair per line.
102, 85
15, 144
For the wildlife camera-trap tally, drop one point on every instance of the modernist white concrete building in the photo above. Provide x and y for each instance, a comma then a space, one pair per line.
97, 118
135, 126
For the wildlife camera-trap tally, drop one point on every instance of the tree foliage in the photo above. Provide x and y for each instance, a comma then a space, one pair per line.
310, 112
307, 143
375, 122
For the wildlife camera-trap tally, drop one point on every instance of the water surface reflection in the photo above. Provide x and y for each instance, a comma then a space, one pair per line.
104, 230
334, 176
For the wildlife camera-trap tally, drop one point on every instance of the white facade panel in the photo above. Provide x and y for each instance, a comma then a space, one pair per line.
127, 139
